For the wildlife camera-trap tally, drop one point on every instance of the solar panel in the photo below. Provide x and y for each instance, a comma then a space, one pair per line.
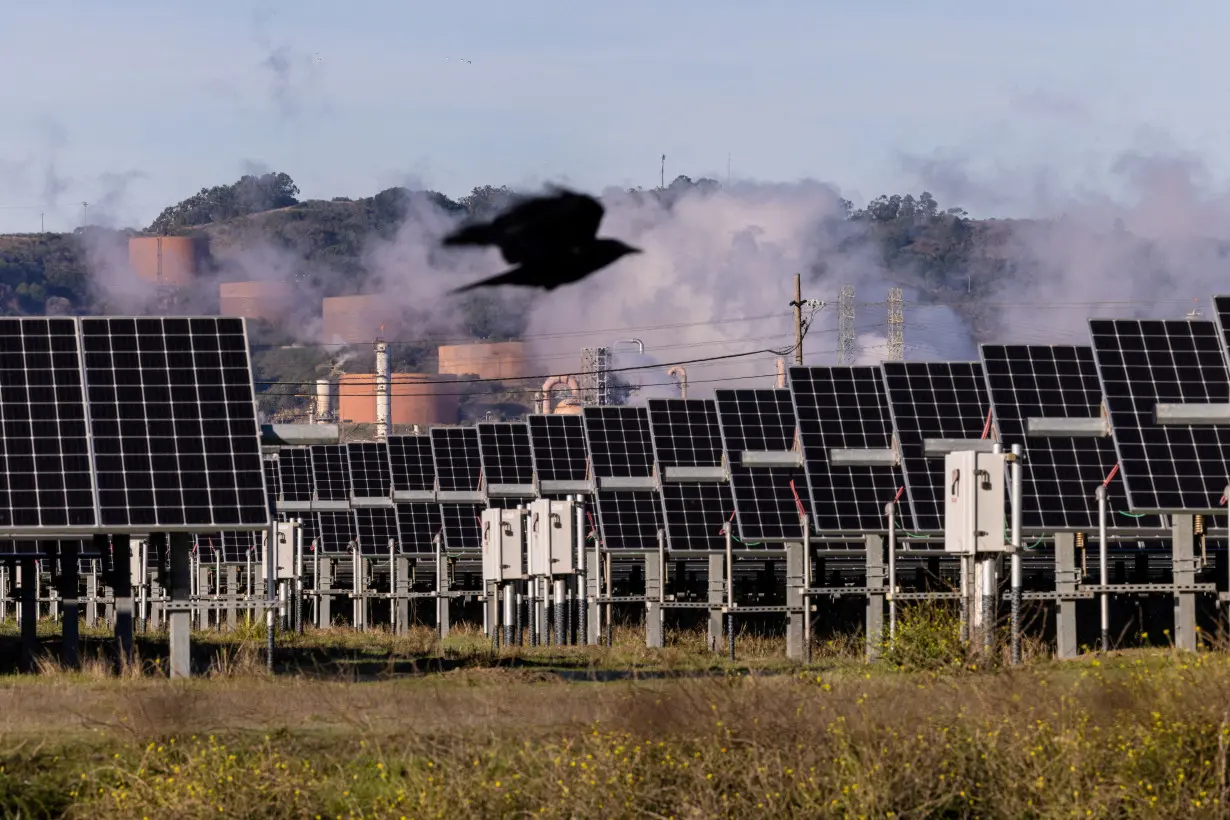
335, 531
272, 485
685, 433
330, 472
374, 527
462, 526
309, 524
1060, 474
410, 460
230, 547
621, 447
370, 473
504, 448
418, 524
619, 440
173, 423
933, 400
840, 408
767, 501
46, 480
557, 444
295, 474
455, 452
1141, 364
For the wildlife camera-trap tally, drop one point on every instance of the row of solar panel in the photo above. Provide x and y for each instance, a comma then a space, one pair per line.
149, 424
875, 407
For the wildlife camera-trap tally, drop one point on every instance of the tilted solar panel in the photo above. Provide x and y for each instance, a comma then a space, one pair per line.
768, 501
173, 423
557, 444
455, 452
1166, 469
370, 473
933, 400
504, 448
844, 408
412, 467
686, 433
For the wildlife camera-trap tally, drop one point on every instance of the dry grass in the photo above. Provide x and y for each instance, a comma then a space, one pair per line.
1131, 736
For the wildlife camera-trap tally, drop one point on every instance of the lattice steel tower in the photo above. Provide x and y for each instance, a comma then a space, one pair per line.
845, 325
596, 375
896, 326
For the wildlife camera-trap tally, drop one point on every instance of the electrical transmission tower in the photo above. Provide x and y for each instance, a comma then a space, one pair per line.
845, 325
596, 383
896, 326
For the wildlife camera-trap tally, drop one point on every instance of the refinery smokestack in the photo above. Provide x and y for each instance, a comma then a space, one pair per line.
324, 400
382, 391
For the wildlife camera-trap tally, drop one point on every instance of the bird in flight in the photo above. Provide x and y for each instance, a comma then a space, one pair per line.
551, 239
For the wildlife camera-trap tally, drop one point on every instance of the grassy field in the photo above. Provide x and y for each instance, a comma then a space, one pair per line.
928, 732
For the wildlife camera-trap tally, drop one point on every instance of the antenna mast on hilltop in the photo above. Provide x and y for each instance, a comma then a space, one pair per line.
662, 173
845, 325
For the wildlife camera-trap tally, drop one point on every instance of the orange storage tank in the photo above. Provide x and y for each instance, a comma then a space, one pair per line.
487, 360
414, 398
166, 260
354, 320
272, 301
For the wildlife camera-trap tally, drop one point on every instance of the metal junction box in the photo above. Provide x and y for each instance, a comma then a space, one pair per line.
551, 536
503, 556
284, 553
974, 499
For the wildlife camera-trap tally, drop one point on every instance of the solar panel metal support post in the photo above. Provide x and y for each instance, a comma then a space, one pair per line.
1067, 576
271, 591
655, 589
1183, 556
299, 581
796, 601
730, 590
717, 590
890, 511
1103, 569
121, 585
806, 586
442, 602
179, 608
559, 607
27, 612
582, 602
1015, 536
509, 593
874, 549
70, 580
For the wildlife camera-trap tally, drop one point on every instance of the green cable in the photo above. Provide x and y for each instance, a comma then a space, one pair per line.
1131, 515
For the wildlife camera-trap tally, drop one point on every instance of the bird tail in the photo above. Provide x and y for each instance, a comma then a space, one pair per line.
472, 235
509, 277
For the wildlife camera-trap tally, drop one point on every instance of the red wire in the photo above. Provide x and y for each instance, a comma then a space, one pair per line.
798, 503
1113, 470
986, 428
897, 497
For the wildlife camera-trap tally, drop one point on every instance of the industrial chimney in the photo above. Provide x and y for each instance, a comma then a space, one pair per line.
383, 400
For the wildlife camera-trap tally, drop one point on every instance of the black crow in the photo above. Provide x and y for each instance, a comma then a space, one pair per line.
551, 239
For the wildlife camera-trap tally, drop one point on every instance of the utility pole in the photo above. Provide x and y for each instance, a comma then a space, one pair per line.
845, 325
798, 319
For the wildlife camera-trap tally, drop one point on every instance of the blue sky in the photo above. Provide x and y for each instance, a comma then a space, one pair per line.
134, 104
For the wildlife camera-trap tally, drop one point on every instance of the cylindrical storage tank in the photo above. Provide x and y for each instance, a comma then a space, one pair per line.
353, 320
166, 260
324, 398
415, 398
487, 360
568, 407
271, 301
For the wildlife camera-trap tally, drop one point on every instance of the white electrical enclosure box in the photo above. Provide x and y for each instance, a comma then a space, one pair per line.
502, 547
974, 499
551, 529
284, 553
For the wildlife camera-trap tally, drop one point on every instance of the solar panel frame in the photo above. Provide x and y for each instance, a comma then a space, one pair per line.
411, 463
461, 526
504, 452
330, 472
418, 523
1141, 363
47, 477
171, 406
374, 527
558, 448
1060, 474
335, 531
458, 462
686, 433
371, 476
844, 407
628, 520
765, 508
620, 446
295, 479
